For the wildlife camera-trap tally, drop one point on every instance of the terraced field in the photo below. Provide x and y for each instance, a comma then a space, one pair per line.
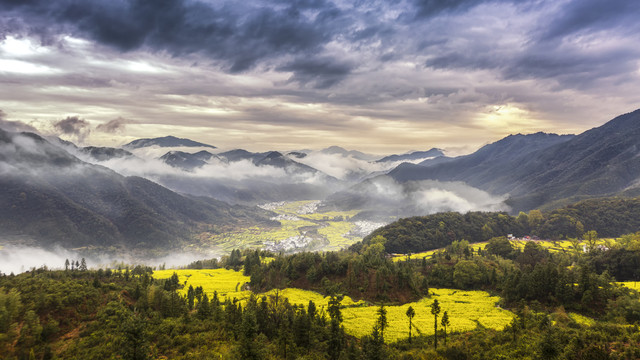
551, 245
467, 309
302, 229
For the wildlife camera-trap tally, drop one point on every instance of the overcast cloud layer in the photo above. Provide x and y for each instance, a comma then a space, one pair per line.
379, 76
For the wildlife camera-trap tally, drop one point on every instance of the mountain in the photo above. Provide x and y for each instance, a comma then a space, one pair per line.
348, 153
105, 153
484, 165
416, 155
187, 161
297, 154
546, 170
167, 141
51, 197
241, 154
270, 158
276, 159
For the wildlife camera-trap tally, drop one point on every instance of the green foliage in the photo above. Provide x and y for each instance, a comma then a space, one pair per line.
608, 217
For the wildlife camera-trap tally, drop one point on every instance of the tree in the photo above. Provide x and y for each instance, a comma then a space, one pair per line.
410, 314
445, 323
204, 310
66, 265
335, 331
535, 219
466, 274
83, 265
435, 310
382, 321
191, 297
591, 237
500, 246
134, 344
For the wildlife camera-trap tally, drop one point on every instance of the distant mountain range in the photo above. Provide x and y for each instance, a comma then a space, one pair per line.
547, 170
416, 155
51, 197
188, 161
167, 141
352, 153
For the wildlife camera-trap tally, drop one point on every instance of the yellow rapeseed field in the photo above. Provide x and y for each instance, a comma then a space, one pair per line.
551, 245
467, 309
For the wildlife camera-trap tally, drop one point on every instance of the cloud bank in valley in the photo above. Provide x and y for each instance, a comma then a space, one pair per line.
383, 197
17, 259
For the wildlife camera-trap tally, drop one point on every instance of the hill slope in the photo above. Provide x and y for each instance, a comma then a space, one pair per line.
167, 141
548, 170
53, 197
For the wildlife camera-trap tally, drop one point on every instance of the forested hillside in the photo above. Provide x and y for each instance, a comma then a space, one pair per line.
609, 217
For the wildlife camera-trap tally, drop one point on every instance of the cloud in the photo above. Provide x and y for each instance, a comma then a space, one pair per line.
14, 126
240, 36
348, 168
114, 126
590, 16
74, 126
369, 75
432, 8
383, 195
321, 72
17, 259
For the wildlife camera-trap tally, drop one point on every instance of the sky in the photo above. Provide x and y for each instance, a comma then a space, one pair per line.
376, 76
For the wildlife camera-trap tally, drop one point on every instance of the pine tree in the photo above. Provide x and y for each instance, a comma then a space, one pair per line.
410, 314
335, 334
382, 321
191, 297
435, 310
445, 323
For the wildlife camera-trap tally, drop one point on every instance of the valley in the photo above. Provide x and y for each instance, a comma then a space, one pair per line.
302, 229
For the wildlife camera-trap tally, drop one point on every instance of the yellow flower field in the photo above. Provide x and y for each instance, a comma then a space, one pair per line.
227, 283
467, 309
551, 245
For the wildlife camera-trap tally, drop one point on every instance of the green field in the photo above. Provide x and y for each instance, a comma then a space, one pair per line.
324, 231
467, 309
551, 245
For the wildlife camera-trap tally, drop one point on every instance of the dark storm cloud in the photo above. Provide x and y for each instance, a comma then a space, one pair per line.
320, 72
548, 50
237, 35
74, 126
593, 15
113, 126
432, 8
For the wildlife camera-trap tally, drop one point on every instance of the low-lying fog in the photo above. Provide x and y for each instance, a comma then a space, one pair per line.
17, 259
